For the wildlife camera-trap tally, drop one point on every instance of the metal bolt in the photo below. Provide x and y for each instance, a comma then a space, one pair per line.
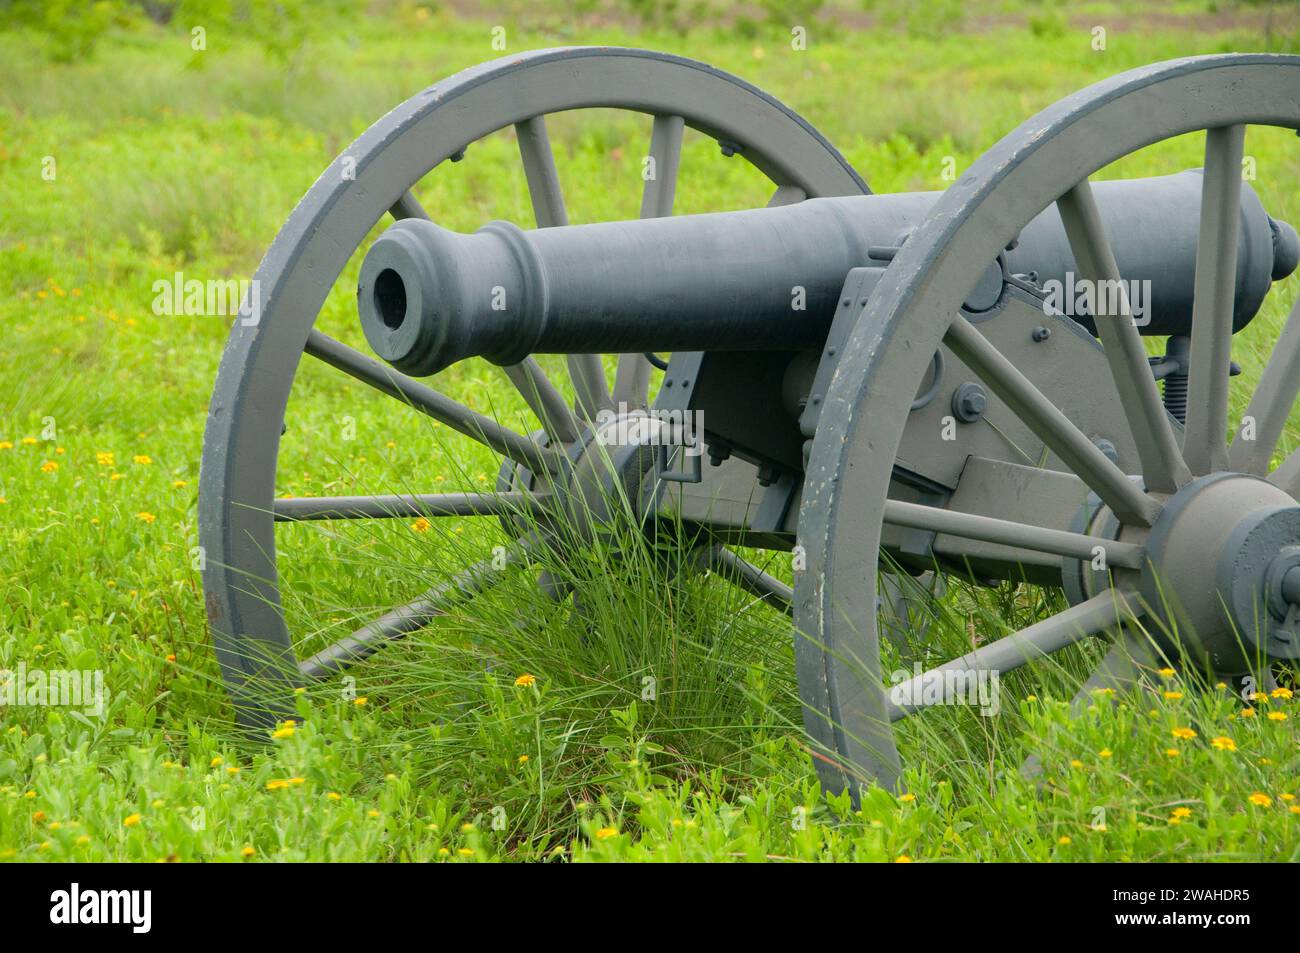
969, 402
1041, 334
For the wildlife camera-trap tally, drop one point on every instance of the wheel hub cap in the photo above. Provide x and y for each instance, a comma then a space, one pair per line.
1223, 571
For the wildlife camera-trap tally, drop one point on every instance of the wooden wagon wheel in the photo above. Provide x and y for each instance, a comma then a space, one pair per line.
1203, 547
374, 177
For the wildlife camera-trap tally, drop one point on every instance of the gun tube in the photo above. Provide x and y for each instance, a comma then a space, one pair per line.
761, 279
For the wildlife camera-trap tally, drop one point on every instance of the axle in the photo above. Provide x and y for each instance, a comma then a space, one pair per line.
762, 279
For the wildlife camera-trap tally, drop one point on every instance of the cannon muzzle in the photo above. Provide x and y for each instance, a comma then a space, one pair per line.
762, 279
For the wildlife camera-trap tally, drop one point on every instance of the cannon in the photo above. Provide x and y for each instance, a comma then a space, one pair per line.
966, 384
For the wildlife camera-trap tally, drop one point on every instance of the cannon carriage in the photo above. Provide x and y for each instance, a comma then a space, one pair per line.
844, 353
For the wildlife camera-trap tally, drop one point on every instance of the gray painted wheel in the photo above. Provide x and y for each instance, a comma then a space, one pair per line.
1201, 506
237, 513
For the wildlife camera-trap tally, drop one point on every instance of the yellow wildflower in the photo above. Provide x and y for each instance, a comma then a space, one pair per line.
49, 466
247, 852
131, 820
142, 459
146, 517
1260, 799
525, 680
1184, 734
1223, 743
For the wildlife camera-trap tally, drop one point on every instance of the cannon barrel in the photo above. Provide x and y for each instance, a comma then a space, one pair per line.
760, 279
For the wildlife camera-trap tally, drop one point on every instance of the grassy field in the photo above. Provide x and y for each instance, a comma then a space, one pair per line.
168, 160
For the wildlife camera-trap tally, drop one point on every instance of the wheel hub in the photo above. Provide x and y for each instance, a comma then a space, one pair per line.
1223, 571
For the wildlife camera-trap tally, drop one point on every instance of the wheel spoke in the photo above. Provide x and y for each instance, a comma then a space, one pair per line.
589, 384
1103, 611
586, 371
632, 378
1287, 475
1121, 670
1039, 539
429, 401
1130, 659
632, 381
786, 195
408, 206
290, 509
1270, 407
1067, 441
666, 150
749, 577
1205, 439
543, 399
1162, 462
403, 620
539, 170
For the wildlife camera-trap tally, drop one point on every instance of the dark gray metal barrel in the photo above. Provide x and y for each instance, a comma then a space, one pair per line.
759, 279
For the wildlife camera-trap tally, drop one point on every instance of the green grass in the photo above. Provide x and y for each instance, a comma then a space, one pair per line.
167, 162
